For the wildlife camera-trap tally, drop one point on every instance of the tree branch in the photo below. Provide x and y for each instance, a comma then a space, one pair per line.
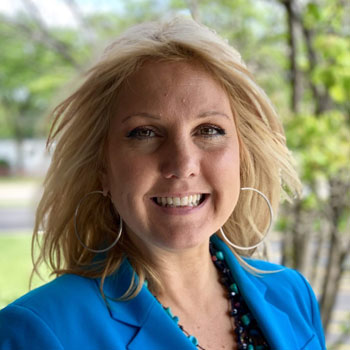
194, 10
85, 24
43, 35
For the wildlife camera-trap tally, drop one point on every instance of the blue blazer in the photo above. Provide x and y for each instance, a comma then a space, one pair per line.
69, 313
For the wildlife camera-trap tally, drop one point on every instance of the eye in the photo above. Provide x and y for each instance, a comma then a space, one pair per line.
141, 133
210, 131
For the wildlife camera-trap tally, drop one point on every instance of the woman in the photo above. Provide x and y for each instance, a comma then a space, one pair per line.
168, 141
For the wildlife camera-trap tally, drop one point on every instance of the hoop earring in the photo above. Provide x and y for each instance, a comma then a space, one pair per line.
267, 231
76, 228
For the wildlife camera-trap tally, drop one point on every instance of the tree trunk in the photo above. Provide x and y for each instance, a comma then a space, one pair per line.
338, 251
331, 281
295, 74
319, 242
287, 242
322, 99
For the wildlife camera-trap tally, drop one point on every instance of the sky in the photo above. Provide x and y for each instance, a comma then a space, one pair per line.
56, 12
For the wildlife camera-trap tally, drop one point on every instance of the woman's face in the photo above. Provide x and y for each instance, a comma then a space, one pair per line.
172, 156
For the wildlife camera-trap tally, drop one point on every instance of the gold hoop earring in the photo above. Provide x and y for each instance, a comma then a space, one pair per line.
267, 231
76, 228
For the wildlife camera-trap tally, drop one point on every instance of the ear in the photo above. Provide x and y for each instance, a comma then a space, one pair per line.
104, 182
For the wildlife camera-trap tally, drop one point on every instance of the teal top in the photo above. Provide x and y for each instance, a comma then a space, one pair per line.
69, 313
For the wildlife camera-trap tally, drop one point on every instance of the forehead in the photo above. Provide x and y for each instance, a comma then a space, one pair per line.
166, 72
168, 82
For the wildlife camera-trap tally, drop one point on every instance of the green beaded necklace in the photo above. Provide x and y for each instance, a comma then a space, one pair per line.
248, 333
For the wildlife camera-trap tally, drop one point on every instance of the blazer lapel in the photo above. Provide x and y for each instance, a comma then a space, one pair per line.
159, 332
155, 329
274, 323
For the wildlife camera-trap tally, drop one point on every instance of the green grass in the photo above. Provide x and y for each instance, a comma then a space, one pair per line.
15, 267
15, 256
20, 180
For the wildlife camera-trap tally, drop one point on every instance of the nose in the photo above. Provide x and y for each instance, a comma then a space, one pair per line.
180, 159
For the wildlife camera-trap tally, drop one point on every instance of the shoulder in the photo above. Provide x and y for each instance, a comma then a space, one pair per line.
272, 273
282, 281
69, 288
264, 265
46, 313
58, 295
288, 290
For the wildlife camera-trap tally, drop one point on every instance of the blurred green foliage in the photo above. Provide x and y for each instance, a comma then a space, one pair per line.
41, 63
30, 75
321, 143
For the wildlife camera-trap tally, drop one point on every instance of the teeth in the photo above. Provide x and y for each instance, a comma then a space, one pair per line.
184, 201
191, 201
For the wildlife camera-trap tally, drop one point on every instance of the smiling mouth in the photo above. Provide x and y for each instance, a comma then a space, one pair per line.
177, 202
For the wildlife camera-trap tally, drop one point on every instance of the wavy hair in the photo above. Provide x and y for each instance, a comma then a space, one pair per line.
78, 138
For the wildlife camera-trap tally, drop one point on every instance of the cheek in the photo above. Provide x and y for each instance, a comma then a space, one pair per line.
129, 177
224, 169
225, 164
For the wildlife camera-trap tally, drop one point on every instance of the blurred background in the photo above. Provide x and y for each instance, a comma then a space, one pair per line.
299, 52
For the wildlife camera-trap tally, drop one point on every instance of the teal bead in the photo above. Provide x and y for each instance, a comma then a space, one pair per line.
234, 288
245, 320
168, 311
250, 347
193, 340
219, 255
145, 283
176, 319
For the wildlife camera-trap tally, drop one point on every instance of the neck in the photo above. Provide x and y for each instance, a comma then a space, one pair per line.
189, 277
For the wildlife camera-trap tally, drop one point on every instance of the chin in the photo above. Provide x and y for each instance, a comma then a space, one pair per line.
182, 241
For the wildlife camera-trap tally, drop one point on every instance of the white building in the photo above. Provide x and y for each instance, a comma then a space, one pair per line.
28, 158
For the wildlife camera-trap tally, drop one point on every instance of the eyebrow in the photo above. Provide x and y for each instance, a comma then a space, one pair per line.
211, 113
157, 117
141, 114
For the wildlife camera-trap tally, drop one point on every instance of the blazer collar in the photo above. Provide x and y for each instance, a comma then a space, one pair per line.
273, 322
134, 311
156, 328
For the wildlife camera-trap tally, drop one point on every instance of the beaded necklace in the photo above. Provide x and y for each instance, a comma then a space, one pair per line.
247, 332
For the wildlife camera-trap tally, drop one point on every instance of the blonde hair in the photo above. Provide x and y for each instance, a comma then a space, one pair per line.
78, 137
